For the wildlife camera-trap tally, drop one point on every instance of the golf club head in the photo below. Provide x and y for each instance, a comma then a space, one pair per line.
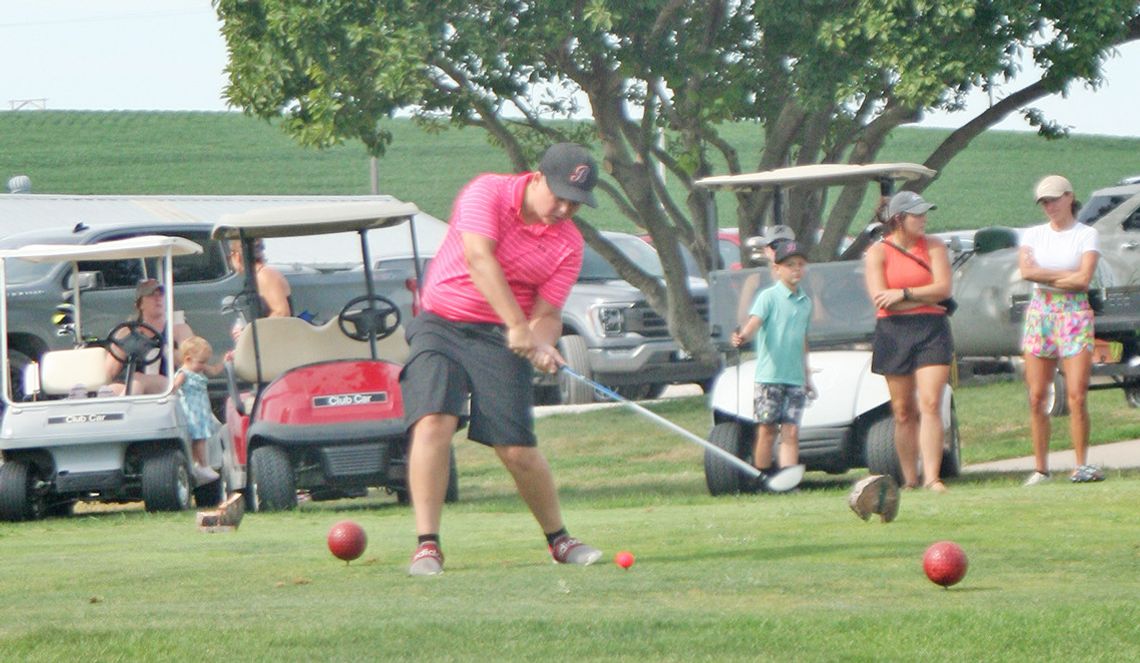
787, 478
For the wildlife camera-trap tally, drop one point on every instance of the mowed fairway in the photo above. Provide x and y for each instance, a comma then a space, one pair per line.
1053, 571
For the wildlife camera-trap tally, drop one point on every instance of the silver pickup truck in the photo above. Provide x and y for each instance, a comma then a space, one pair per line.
612, 335
201, 283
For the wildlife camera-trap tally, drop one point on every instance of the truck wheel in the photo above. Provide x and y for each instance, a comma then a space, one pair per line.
18, 500
1132, 394
634, 392
571, 391
722, 477
273, 479
452, 494
166, 482
1057, 403
879, 447
951, 447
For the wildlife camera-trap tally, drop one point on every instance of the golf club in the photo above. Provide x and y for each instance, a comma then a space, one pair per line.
787, 479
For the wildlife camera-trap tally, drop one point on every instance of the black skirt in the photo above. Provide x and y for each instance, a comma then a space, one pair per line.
902, 343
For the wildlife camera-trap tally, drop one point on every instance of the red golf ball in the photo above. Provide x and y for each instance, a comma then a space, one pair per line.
347, 540
624, 559
945, 563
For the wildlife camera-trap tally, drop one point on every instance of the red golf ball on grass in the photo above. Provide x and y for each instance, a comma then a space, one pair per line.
945, 563
624, 559
347, 540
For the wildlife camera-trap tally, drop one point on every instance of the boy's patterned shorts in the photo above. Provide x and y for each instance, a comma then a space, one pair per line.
779, 403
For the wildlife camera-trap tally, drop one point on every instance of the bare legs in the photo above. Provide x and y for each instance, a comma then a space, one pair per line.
916, 401
1039, 372
789, 445
428, 461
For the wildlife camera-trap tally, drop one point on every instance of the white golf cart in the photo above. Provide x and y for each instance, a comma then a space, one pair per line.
68, 439
850, 423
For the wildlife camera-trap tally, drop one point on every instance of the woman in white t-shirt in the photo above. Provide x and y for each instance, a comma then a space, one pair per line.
1059, 257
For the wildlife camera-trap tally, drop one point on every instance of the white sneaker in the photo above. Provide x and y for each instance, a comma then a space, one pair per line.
205, 475
1036, 478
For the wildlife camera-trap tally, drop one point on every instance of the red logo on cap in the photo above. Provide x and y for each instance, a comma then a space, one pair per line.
581, 173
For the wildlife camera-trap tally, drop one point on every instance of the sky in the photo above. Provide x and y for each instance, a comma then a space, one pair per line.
169, 55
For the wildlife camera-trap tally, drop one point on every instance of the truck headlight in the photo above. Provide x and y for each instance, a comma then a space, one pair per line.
611, 320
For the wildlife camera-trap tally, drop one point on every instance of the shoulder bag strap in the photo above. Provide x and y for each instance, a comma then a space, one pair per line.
907, 254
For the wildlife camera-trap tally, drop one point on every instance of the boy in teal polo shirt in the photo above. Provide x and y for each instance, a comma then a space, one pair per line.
780, 314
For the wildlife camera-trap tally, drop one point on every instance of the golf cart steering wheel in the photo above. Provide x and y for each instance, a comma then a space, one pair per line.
369, 313
143, 348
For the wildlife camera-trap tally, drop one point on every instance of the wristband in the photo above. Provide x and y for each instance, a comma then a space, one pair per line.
906, 294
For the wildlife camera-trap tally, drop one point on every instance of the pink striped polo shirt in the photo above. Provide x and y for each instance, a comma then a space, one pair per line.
538, 260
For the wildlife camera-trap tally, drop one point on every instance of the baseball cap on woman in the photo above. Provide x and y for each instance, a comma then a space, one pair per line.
1053, 186
147, 288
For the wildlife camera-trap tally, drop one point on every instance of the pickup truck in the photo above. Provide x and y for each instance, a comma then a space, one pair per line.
201, 283
611, 335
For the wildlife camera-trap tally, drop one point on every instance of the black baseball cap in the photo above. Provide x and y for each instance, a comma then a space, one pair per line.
786, 248
570, 172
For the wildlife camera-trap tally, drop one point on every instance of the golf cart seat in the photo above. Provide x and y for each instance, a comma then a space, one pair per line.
60, 370
286, 343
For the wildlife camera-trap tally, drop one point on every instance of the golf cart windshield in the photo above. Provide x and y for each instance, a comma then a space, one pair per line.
842, 313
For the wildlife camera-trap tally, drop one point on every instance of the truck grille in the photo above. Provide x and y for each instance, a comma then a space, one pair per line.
642, 319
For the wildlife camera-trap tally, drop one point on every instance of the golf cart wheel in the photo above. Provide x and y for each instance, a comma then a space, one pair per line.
273, 479
210, 494
571, 391
18, 500
403, 497
166, 482
951, 447
879, 446
452, 494
721, 476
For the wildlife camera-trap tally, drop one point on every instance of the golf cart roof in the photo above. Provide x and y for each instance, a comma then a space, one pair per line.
144, 246
821, 174
319, 219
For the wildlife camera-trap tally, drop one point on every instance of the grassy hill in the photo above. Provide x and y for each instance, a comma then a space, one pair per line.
229, 153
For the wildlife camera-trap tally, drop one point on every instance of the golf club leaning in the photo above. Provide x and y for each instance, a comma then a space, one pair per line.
665, 423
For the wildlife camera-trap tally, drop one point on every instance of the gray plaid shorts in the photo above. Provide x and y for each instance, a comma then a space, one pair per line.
779, 403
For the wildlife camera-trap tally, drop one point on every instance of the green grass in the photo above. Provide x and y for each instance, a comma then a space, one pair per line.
228, 153
792, 577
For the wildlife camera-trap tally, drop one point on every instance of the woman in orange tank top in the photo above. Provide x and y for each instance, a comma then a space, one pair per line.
907, 274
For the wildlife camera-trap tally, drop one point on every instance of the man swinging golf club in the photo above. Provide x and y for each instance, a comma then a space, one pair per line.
491, 309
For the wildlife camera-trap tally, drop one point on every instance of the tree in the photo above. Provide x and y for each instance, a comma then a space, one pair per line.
825, 80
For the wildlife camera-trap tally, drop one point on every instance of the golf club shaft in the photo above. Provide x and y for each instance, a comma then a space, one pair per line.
661, 421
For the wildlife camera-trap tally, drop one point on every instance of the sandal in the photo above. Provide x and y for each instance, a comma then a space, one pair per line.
936, 486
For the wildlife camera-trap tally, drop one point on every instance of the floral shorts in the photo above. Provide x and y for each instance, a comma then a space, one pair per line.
1057, 324
779, 403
